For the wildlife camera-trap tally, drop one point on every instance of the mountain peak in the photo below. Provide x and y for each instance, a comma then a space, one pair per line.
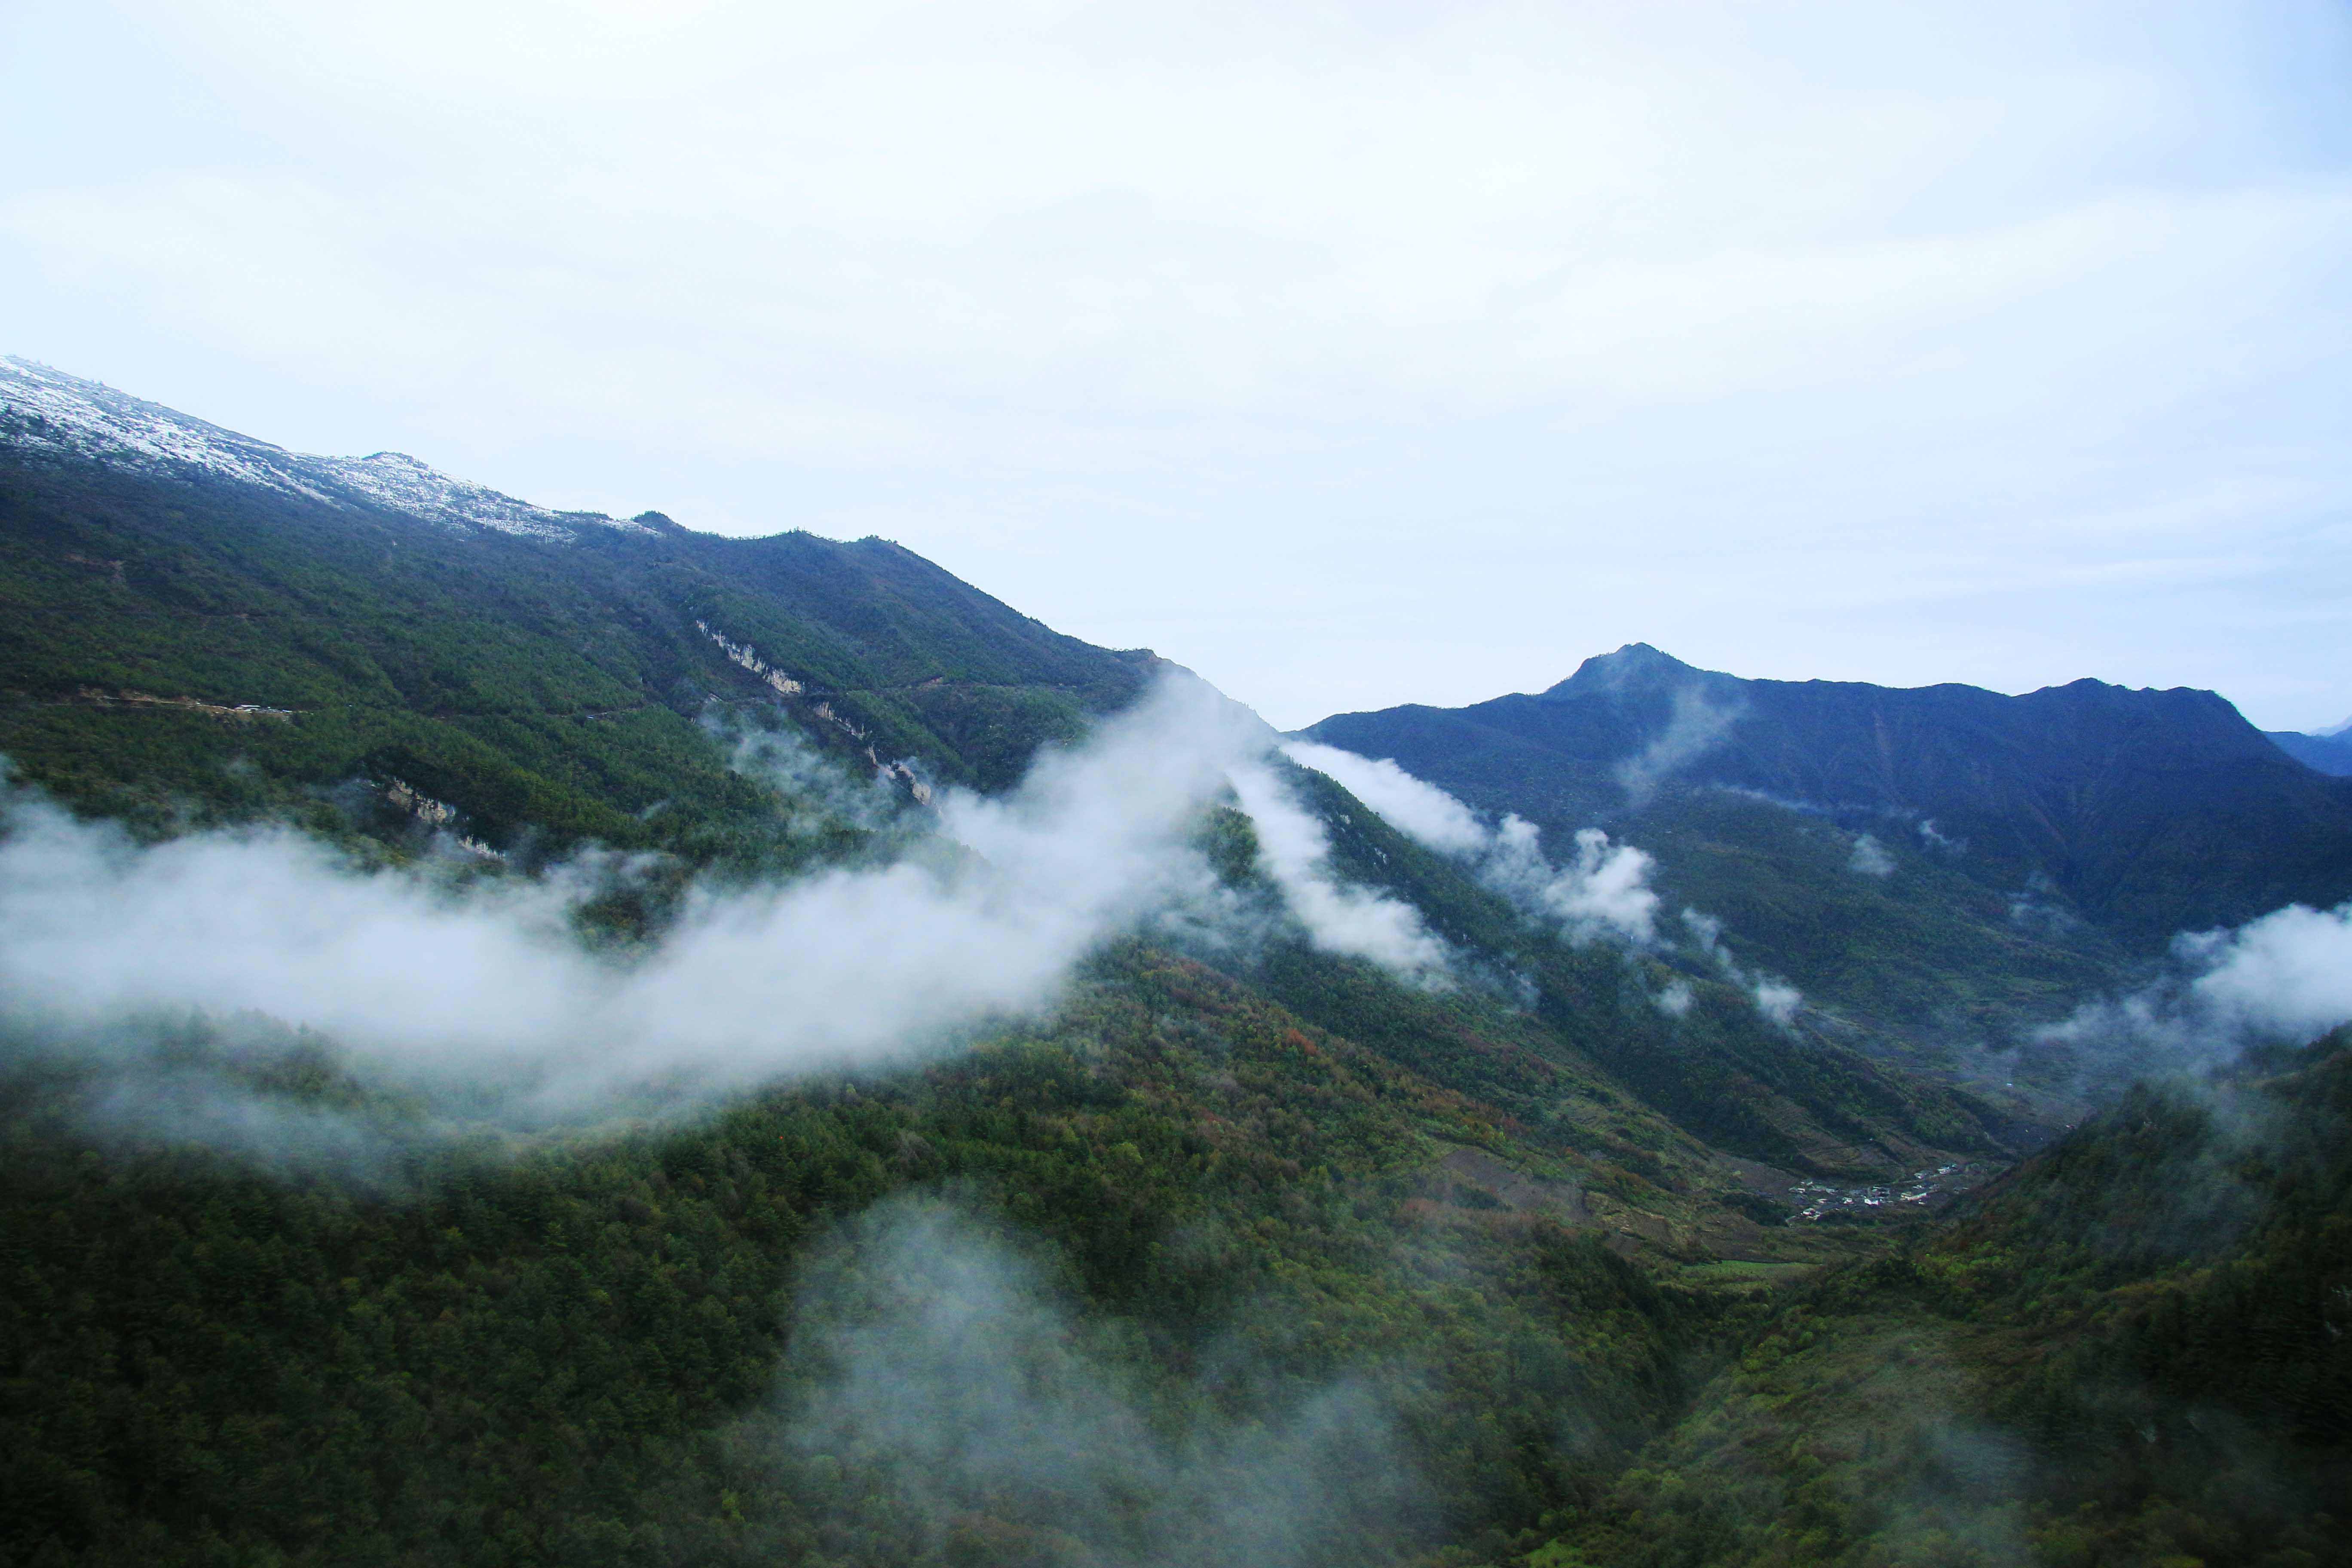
1635, 665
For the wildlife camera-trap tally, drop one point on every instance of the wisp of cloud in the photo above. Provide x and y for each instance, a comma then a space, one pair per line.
1775, 998
1294, 852
1603, 890
1697, 723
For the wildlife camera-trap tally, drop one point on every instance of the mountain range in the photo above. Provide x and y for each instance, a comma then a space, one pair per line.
2144, 813
1947, 865
1696, 1172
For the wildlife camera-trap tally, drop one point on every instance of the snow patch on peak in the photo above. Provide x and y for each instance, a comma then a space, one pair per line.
48, 409
400, 483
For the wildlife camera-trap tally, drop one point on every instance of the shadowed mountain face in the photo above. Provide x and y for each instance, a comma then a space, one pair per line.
2147, 812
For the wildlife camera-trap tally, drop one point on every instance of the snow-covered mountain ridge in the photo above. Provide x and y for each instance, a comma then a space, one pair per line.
41, 407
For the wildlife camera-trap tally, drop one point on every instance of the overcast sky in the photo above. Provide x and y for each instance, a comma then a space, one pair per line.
1349, 355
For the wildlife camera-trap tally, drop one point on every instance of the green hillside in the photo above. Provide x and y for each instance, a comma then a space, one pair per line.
2132, 1351
1796, 1096
563, 1351
562, 687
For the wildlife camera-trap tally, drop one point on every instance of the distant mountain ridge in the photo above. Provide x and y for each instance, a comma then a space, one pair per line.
2150, 812
2328, 751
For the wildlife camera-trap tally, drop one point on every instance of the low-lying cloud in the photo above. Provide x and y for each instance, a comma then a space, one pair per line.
934, 1368
490, 984
1697, 723
1294, 852
1602, 890
2282, 978
1775, 998
484, 989
1413, 807
1870, 857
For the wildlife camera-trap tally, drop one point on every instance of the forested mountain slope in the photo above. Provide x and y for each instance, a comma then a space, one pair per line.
158, 626
186, 642
578, 1352
2137, 1348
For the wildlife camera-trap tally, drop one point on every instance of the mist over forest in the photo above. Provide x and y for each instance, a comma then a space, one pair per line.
533, 1036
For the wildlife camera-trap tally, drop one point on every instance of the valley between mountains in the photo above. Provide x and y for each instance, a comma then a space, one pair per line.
535, 1038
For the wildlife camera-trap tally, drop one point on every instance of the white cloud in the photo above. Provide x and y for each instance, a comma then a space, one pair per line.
1773, 997
1697, 724
1777, 1000
1413, 806
1604, 887
1602, 890
2286, 975
832, 971
2288, 972
1295, 853
488, 986
1870, 857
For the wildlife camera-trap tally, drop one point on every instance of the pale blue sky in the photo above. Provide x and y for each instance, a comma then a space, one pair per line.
1349, 354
